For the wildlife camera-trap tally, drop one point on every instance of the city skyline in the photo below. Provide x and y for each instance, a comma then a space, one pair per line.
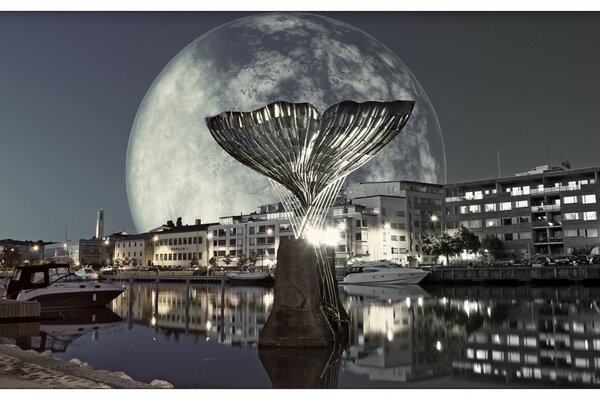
73, 82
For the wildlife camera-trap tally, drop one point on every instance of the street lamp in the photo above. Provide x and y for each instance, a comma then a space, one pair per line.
36, 248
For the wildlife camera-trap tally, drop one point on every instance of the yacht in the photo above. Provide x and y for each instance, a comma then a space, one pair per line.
87, 273
382, 273
56, 287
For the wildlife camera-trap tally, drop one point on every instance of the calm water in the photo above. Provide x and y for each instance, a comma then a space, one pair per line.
437, 337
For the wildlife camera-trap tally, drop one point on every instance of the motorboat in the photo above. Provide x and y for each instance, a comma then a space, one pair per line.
382, 273
56, 287
87, 273
251, 278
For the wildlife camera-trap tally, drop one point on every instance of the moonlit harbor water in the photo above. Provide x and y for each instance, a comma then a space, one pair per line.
197, 336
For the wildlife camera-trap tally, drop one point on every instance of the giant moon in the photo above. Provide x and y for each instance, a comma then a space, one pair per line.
176, 169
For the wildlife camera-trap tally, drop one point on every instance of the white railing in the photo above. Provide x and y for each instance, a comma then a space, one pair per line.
555, 189
551, 207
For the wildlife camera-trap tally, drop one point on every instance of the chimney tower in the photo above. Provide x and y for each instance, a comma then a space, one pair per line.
100, 224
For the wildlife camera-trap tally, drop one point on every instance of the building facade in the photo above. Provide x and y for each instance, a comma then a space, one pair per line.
402, 211
547, 211
134, 250
257, 233
180, 246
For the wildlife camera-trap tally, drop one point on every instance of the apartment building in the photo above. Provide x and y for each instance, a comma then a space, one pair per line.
258, 233
548, 210
401, 212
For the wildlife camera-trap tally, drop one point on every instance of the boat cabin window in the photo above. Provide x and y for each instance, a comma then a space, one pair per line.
37, 277
16, 275
55, 273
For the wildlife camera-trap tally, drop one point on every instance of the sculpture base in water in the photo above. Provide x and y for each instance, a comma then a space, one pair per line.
296, 319
301, 368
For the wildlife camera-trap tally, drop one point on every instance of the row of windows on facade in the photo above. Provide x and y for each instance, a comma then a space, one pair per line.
526, 189
525, 219
177, 256
128, 244
252, 230
180, 241
234, 253
240, 242
508, 205
118, 255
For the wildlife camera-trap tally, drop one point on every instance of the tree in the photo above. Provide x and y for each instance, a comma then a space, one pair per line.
227, 260
494, 246
194, 263
467, 240
582, 250
11, 257
242, 260
438, 244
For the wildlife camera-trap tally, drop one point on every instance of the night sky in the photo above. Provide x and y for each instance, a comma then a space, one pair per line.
71, 83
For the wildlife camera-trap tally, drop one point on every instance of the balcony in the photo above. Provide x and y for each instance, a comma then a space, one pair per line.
551, 190
551, 240
551, 207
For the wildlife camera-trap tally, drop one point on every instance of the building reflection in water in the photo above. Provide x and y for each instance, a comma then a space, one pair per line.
231, 315
517, 335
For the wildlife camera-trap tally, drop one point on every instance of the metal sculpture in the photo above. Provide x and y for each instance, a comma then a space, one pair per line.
306, 155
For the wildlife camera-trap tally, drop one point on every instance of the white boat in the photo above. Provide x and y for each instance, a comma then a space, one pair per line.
382, 273
87, 273
55, 287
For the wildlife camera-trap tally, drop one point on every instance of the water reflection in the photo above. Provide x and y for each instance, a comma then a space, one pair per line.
404, 336
232, 315
60, 329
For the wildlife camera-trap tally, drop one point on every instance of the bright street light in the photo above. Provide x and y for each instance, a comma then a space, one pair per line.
387, 225
269, 231
434, 218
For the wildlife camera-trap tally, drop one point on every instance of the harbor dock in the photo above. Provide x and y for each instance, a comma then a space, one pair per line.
517, 273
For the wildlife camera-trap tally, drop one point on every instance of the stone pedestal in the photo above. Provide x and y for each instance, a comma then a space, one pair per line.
296, 319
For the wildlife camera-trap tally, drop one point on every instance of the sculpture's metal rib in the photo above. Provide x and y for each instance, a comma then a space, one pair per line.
307, 155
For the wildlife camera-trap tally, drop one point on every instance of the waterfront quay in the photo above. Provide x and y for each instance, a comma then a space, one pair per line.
516, 273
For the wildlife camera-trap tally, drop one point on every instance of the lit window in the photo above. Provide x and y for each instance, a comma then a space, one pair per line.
589, 216
490, 207
521, 204
481, 355
514, 357
570, 200
588, 199
582, 362
570, 216
513, 340
497, 356
531, 359
475, 208
505, 206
